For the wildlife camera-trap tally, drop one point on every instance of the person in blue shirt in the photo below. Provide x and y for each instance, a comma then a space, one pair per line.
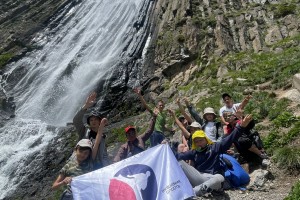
207, 173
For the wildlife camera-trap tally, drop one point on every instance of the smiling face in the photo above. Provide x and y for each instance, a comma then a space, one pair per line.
200, 142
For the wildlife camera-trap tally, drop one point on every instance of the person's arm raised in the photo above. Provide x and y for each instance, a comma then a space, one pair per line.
77, 120
182, 111
185, 133
138, 92
244, 102
193, 112
98, 139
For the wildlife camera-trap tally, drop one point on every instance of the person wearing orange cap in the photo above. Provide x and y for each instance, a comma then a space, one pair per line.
135, 144
207, 173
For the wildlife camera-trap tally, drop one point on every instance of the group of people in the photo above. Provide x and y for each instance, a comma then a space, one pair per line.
203, 140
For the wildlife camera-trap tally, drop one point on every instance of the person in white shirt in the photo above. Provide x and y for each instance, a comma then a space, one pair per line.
232, 107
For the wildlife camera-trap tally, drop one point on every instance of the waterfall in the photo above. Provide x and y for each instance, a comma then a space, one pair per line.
81, 45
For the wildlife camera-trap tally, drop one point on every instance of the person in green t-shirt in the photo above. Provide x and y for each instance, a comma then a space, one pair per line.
160, 125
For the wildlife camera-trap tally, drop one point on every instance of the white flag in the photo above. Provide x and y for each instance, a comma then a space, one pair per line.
152, 174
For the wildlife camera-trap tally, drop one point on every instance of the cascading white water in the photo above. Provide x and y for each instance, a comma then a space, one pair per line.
87, 43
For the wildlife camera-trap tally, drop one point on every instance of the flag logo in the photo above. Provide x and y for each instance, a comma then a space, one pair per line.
132, 183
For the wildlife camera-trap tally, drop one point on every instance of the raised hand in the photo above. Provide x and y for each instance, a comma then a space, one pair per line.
90, 101
137, 91
247, 119
239, 113
171, 112
186, 101
248, 97
104, 121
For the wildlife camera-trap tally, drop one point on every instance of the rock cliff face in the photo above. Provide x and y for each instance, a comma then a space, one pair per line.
189, 34
20, 20
187, 37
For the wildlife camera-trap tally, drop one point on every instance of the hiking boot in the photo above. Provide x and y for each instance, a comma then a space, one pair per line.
201, 190
264, 156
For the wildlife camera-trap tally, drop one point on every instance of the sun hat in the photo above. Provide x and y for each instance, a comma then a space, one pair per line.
209, 110
200, 134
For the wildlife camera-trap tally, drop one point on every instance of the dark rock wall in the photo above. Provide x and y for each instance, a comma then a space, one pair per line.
20, 20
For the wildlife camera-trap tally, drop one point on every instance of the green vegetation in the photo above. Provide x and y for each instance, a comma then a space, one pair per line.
277, 138
117, 135
4, 58
57, 193
288, 158
295, 192
284, 9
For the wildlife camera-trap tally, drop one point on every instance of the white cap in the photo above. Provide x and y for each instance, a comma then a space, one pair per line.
196, 125
85, 143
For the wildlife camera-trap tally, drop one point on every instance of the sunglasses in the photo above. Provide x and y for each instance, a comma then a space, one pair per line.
228, 116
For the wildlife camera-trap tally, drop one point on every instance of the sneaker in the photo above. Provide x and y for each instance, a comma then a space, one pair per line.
201, 190
265, 162
264, 156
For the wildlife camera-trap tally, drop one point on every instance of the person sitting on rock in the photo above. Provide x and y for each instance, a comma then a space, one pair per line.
230, 106
206, 175
85, 155
90, 132
160, 125
135, 144
249, 152
212, 128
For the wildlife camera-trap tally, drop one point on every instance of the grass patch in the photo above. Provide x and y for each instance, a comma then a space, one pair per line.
288, 158
284, 9
4, 58
295, 192
267, 66
275, 139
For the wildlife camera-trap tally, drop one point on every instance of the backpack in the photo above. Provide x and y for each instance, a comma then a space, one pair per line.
233, 171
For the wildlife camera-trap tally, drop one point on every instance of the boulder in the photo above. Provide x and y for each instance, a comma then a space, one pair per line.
296, 81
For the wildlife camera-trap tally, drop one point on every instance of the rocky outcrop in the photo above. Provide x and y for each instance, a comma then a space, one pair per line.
198, 31
20, 20
296, 81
